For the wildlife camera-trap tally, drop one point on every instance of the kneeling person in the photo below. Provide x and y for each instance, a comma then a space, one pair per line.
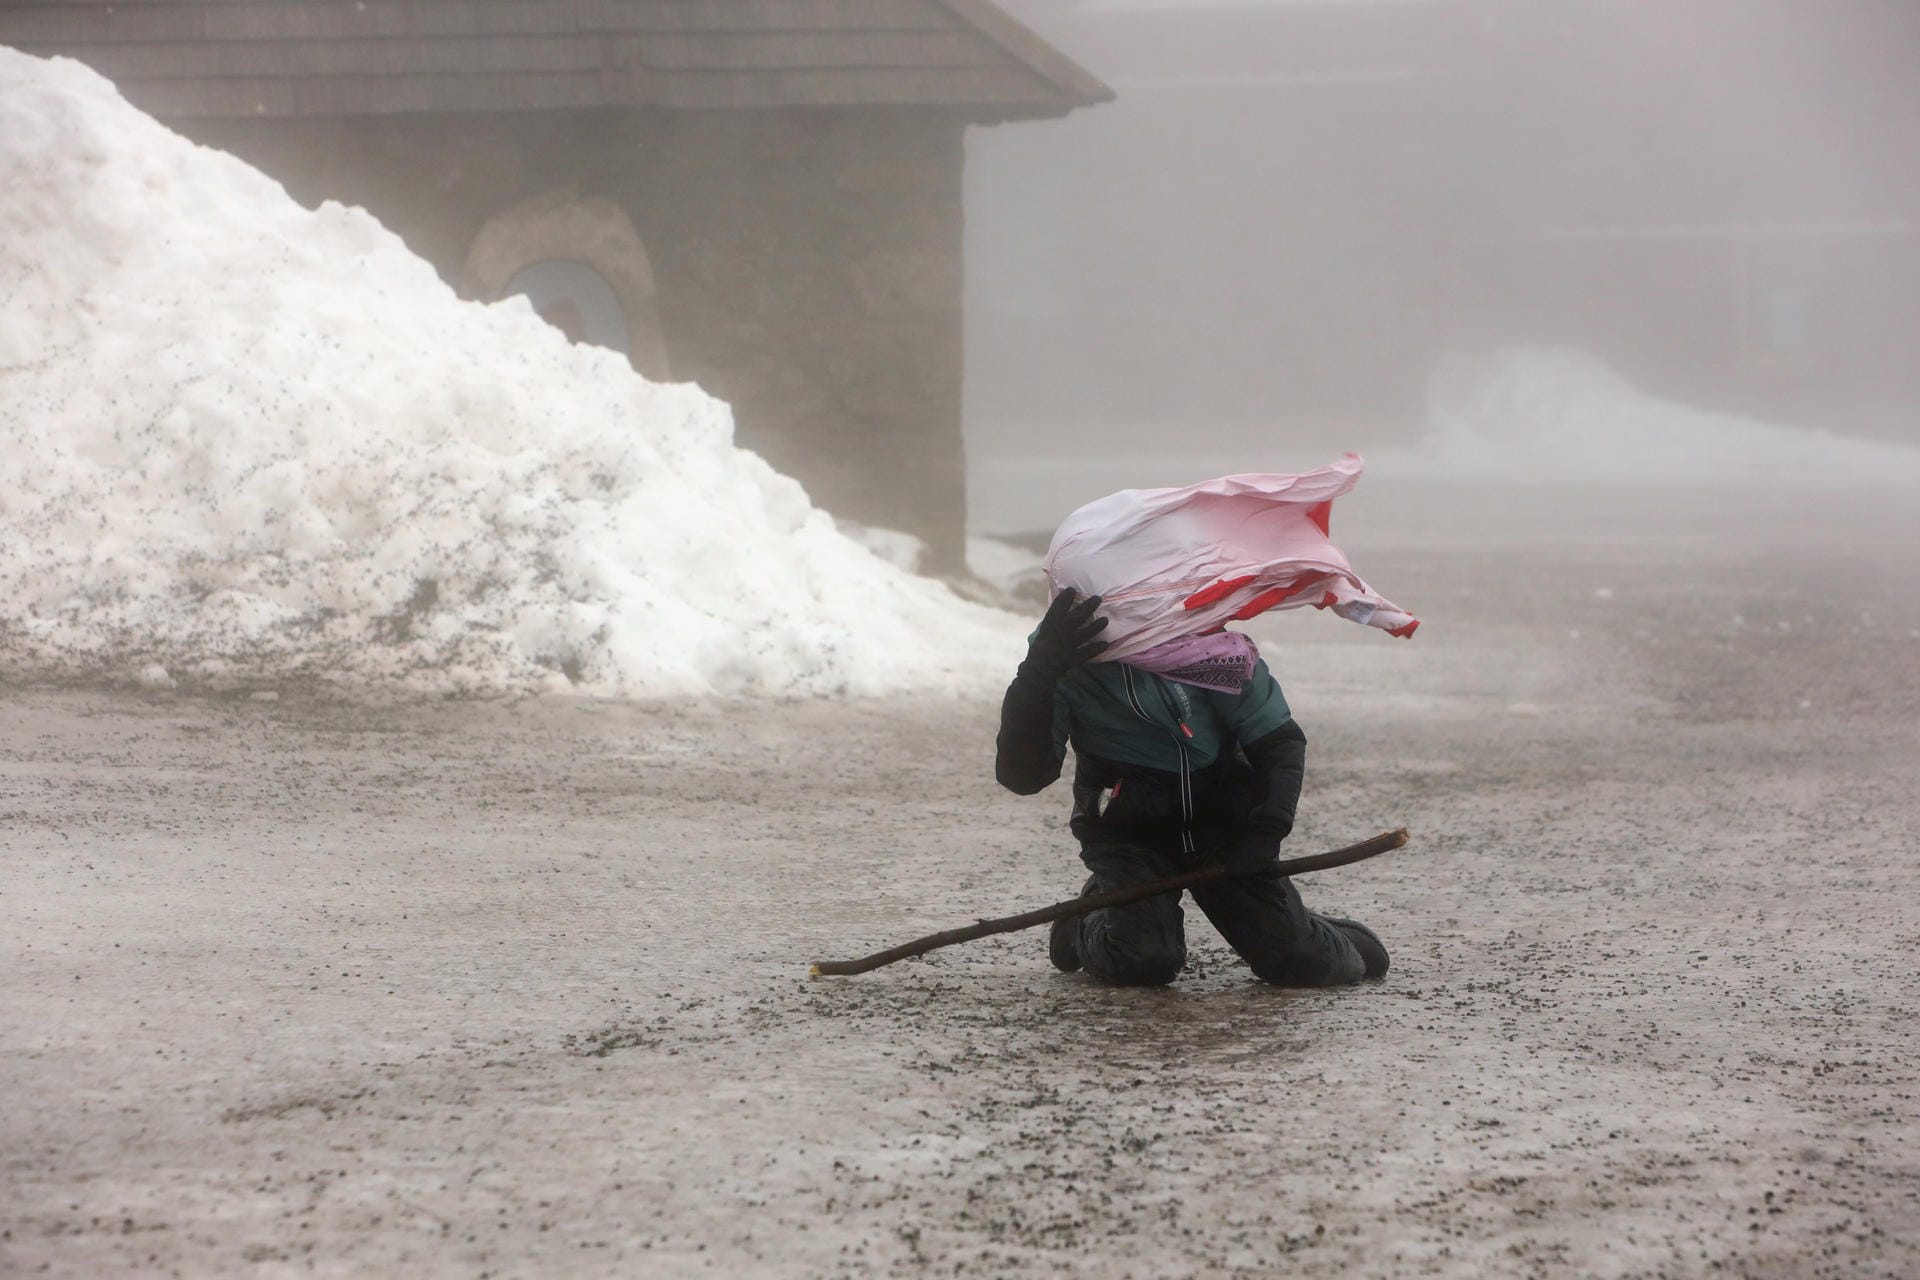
1187, 757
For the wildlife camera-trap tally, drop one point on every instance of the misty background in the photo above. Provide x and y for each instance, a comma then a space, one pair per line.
1296, 210
434, 755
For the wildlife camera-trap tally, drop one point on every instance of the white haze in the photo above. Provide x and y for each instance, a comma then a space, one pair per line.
1308, 227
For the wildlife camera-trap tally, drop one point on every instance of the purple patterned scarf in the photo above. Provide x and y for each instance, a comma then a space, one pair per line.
1222, 661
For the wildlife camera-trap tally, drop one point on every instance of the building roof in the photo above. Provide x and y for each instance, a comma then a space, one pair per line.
182, 58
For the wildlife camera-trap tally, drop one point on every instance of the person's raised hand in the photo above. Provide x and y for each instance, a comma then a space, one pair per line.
1067, 636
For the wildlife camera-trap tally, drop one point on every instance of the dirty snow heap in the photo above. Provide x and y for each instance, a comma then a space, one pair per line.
247, 441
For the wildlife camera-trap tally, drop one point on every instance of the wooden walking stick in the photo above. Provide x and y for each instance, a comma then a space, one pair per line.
1382, 843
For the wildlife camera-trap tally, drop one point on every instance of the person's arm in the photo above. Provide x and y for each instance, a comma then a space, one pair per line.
1276, 750
1029, 750
1028, 754
1279, 763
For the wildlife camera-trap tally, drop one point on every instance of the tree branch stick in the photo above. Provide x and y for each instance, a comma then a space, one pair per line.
1382, 843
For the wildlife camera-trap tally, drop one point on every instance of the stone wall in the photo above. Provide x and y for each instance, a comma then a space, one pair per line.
809, 273
807, 264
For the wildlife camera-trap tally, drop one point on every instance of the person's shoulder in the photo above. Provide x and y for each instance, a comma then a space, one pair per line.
1094, 679
1263, 677
1260, 707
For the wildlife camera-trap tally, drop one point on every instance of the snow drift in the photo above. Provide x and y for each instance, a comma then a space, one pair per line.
247, 440
1554, 415
1519, 419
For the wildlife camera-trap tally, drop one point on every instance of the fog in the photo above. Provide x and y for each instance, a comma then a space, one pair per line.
434, 754
1294, 215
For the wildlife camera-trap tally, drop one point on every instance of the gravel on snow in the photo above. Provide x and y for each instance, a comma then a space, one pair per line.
518, 988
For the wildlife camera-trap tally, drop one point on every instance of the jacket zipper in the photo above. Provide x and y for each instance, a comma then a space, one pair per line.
1180, 746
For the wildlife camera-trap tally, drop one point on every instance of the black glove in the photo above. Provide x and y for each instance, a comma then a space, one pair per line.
1025, 759
1066, 638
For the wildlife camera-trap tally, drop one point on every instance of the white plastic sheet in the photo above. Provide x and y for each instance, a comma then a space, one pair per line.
1169, 563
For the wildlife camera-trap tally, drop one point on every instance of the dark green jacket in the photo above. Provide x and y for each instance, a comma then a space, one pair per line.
1158, 763
1133, 717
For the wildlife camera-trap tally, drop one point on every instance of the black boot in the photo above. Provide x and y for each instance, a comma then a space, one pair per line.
1063, 938
1372, 951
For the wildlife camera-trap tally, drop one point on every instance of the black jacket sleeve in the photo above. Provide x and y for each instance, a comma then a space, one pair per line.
1025, 757
1279, 763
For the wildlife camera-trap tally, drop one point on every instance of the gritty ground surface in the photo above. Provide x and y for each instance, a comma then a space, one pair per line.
519, 990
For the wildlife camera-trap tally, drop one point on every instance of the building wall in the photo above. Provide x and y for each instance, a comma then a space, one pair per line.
807, 264
809, 268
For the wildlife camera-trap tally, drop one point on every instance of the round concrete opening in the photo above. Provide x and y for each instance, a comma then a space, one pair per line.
575, 299
582, 264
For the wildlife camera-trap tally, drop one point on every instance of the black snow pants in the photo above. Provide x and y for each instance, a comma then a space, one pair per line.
1137, 824
1260, 916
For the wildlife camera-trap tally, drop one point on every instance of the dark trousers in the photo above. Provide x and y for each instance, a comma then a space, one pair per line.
1261, 917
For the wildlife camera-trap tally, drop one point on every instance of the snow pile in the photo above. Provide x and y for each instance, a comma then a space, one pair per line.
1015, 571
249, 441
1561, 416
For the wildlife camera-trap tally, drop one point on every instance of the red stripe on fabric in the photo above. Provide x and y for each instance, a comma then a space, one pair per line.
1322, 516
1265, 601
1327, 601
1208, 594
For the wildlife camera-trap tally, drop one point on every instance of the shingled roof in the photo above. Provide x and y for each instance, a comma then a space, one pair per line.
202, 58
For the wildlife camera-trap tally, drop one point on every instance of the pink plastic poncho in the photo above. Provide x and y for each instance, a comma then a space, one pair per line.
1169, 563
